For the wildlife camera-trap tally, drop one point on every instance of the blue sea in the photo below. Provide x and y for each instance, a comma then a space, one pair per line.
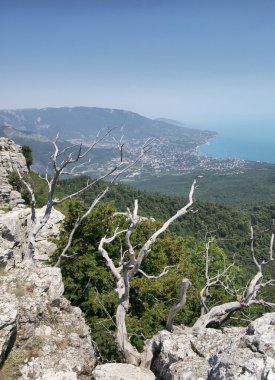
249, 141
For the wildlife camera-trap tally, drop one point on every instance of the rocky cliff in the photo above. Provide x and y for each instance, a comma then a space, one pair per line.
11, 158
229, 353
42, 336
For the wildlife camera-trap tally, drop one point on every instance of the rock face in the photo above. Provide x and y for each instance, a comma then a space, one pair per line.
42, 336
231, 353
48, 337
13, 235
10, 158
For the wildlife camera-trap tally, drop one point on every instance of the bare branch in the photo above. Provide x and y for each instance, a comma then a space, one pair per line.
144, 149
252, 248
105, 255
146, 247
97, 141
76, 225
163, 273
84, 189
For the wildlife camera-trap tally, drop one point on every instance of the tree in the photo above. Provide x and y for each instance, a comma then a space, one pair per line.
250, 295
130, 264
27, 152
70, 161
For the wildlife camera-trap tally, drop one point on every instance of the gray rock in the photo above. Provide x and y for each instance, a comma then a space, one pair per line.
42, 336
119, 371
231, 353
8, 321
251, 356
52, 337
10, 158
14, 230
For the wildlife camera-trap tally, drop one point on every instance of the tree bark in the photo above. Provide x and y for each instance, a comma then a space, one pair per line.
177, 307
217, 314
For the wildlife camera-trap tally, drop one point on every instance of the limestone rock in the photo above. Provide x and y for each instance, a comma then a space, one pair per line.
42, 337
230, 353
10, 158
46, 336
8, 321
52, 338
250, 357
44, 247
13, 235
119, 371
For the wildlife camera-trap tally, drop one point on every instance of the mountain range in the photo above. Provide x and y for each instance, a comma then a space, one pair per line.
85, 122
38, 127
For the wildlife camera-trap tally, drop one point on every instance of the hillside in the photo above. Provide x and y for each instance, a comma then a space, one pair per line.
85, 122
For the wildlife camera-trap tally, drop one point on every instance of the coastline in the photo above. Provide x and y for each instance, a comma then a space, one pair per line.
245, 147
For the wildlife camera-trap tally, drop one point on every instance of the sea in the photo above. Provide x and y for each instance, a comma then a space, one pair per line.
247, 141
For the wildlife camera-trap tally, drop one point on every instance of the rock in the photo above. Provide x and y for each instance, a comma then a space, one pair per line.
250, 357
42, 337
260, 336
13, 234
52, 338
8, 321
230, 353
44, 247
119, 371
10, 158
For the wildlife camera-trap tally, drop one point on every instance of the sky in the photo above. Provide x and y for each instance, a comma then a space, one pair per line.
197, 61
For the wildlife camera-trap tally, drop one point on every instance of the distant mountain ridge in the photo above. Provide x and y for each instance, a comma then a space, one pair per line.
171, 121
175, 147
85, 122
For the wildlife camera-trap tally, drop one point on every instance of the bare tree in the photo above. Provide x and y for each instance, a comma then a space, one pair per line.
220, 278
70, 161
249, 296
128, 267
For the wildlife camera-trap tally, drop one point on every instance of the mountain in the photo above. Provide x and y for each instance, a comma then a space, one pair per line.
171, 121
85, 122
175, 147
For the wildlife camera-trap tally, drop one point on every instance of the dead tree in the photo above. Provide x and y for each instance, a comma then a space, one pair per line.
249, 296
128, 268
213, 281
70, 161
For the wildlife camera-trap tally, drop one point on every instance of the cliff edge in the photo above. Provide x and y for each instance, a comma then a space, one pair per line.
42, 336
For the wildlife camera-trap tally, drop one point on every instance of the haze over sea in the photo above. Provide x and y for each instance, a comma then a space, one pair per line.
245, 140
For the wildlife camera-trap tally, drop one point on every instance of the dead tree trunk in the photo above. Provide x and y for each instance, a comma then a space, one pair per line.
176, 308
127, 269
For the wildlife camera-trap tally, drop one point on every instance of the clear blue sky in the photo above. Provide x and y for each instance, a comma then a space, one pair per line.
196, 60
